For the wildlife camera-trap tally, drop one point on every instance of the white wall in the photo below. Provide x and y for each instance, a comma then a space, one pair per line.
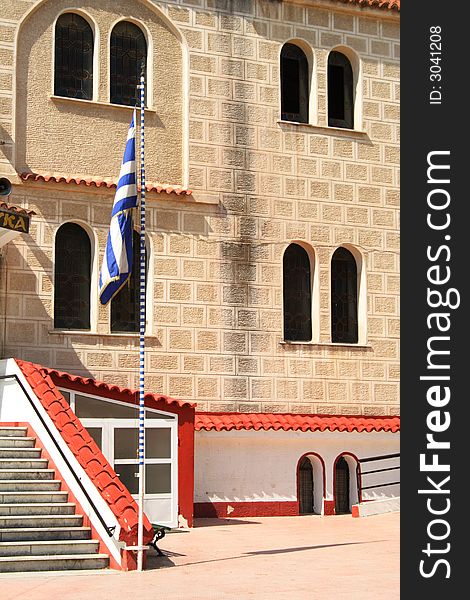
254, 466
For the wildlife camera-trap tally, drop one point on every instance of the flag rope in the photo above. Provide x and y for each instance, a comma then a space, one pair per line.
140, 535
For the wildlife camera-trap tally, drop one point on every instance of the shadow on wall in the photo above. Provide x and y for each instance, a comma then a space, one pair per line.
27, 320
6, 146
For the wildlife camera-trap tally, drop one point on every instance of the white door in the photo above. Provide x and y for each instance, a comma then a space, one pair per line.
118, 440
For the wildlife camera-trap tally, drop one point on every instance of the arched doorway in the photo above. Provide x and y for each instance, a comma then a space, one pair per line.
310, 484
305, 487
342, 505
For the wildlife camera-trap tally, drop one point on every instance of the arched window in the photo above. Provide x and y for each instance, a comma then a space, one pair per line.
73, 63
297, 294
340, 91
344, 319
128, 51
72, 278
125, 306
294, 84
342, 495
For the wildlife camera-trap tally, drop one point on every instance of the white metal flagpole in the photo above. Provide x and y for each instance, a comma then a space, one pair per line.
140, 535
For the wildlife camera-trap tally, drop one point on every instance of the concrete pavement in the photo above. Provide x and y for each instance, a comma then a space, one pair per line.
277, 558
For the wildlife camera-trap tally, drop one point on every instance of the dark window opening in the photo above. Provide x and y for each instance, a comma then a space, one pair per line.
344, 321
125, 306
73, 62
72, 278
306, 487
128, 51
342, 505
294, 84
297, 294
340, 91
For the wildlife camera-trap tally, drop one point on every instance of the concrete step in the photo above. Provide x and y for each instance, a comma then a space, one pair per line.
20, 453
53, 547
18, 534
24, 474
32, 497
13, 431
37, 508
23, 463
10, 521
16, 442
66, 562
22, 485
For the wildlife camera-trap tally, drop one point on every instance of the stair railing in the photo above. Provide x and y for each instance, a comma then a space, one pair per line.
109, 529
372, 459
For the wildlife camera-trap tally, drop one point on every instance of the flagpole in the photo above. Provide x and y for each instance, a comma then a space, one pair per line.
140, 535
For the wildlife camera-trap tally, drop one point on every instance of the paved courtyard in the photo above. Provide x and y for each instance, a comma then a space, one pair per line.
277, 558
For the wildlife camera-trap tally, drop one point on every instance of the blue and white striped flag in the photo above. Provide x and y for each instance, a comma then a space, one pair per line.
117, 260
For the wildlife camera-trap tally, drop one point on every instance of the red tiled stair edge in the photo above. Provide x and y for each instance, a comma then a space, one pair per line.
294, 422
87, 453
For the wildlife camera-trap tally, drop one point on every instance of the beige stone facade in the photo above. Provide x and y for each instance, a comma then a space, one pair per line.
215, 323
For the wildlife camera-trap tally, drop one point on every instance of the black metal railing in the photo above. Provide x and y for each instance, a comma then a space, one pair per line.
372, 459
109, 529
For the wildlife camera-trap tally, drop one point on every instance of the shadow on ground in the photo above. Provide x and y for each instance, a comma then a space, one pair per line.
161, 562
219, 522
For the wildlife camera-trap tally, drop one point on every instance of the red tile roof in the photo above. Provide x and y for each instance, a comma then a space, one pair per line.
293, 422
91, 181
87, 453
17, 209
386, 4
63, 379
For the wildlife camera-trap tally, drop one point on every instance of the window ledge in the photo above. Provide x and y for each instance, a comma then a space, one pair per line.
327, 344
355, 133
97, 333
99, 103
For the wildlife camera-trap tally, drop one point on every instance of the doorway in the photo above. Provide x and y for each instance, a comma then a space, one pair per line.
342, 505
305, 487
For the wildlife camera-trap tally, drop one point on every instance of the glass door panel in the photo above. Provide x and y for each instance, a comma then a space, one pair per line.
126, 443
97, 434
158, 442
158, 479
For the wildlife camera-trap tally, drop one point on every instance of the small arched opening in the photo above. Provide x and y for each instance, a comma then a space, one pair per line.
310, 484
345, 483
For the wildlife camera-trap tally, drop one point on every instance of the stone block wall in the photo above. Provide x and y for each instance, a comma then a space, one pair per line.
215, 291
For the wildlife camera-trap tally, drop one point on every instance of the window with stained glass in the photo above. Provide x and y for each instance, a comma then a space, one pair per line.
72, 278
128, 52
125, 306
297, 294
340, 91
294, 84
344, 321
73, 63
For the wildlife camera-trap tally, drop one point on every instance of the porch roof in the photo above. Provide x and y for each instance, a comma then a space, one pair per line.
210, 421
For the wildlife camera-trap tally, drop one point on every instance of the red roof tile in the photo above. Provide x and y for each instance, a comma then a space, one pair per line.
17, 209
64, 379
91, 181
385, 4
293, 422
85, 450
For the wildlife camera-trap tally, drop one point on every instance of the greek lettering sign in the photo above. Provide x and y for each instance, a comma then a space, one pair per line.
14, 221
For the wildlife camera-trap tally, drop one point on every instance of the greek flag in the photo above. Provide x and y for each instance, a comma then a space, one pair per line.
117, 260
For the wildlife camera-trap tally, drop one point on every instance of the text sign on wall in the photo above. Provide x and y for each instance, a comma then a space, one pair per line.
14, 221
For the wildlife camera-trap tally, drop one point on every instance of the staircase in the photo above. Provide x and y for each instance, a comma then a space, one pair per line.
39, 530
